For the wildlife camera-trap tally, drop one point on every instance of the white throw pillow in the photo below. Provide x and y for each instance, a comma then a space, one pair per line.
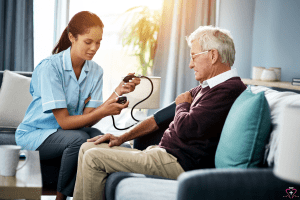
14, 99
277, 101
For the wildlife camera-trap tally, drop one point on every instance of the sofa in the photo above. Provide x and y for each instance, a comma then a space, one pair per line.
14, 100
234, 181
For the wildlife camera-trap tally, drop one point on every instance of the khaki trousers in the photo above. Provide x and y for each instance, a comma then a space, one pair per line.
96, 162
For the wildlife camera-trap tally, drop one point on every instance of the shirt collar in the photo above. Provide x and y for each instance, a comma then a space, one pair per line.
216, 80
67, 63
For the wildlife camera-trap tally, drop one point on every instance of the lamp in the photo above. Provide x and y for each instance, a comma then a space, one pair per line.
141, 92
288, 165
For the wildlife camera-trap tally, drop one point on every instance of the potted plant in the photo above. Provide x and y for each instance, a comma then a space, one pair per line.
140, 32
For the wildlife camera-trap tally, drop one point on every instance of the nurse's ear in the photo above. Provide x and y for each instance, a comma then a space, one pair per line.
71, 38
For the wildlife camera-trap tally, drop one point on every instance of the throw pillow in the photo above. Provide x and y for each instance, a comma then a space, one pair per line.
277, 101
245, 132
14, 99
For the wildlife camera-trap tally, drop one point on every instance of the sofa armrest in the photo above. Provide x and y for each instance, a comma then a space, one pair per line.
154, 138
231, 184
114, 179
163, 118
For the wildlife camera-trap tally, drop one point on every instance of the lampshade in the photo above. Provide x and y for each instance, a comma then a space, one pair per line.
142, 91
288, 163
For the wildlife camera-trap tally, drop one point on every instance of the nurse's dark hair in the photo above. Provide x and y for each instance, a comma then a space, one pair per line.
78, 25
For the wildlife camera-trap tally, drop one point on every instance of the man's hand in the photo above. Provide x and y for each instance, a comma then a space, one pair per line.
184, 97
113, 140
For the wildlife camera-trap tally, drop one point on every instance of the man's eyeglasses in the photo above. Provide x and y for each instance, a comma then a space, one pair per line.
194, 55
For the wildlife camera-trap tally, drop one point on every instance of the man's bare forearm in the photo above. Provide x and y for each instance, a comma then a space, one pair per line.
143, 128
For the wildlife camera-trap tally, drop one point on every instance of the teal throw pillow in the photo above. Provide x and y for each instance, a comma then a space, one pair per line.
245, 132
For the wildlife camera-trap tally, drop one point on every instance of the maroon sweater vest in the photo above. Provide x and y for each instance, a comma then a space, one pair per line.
193, 135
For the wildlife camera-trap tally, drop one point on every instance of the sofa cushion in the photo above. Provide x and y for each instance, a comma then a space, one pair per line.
146, 189
115, 178
277, 101
245, 132
245, 184
7, 136
14, 99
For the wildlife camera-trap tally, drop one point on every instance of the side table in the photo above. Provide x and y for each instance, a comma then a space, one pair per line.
27, 184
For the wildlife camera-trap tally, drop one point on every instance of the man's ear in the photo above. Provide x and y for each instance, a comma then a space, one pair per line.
214, 56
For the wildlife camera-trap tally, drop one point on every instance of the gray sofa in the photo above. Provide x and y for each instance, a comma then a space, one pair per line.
259, 183
214, 183
49, 168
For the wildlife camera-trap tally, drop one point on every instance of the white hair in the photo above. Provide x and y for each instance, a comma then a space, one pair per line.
210, 37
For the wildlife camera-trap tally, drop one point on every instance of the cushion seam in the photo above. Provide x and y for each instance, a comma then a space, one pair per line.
250, 160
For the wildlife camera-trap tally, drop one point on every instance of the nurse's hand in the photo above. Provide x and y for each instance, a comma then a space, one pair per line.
125, 88
111, 107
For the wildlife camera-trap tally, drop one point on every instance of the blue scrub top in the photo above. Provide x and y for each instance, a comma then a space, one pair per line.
54, 85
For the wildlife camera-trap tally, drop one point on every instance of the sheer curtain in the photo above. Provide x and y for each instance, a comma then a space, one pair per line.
179, 19
61, 18
16, 35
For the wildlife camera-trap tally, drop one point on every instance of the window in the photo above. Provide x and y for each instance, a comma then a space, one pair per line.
43, 26
111, 56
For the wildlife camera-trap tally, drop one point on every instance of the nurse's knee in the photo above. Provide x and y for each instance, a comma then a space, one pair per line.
79, 137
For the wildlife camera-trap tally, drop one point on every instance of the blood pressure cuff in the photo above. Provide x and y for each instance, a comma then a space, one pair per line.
165, 114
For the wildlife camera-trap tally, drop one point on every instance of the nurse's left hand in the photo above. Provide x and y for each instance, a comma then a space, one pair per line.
125, 88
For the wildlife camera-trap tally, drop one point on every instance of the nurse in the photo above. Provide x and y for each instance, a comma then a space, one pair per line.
67, 99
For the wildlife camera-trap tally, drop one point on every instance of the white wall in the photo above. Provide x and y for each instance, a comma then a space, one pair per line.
276, 36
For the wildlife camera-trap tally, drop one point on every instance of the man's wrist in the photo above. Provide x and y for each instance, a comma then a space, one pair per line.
122, 139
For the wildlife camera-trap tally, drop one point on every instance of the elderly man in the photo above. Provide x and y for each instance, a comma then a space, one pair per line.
191, 140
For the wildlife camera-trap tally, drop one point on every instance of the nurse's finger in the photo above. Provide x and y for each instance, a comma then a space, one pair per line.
129, 86
87, 100
136, 81
125, 105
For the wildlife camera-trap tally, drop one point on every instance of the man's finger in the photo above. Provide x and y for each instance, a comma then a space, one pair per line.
94, 138
102, 139
110, 144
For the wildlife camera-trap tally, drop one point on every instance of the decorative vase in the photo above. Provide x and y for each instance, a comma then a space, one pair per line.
268, 75
256, 72
277, 72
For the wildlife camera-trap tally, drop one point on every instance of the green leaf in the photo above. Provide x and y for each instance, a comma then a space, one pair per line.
140, 32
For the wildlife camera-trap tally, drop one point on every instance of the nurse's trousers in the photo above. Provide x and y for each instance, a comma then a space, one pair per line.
66, 144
